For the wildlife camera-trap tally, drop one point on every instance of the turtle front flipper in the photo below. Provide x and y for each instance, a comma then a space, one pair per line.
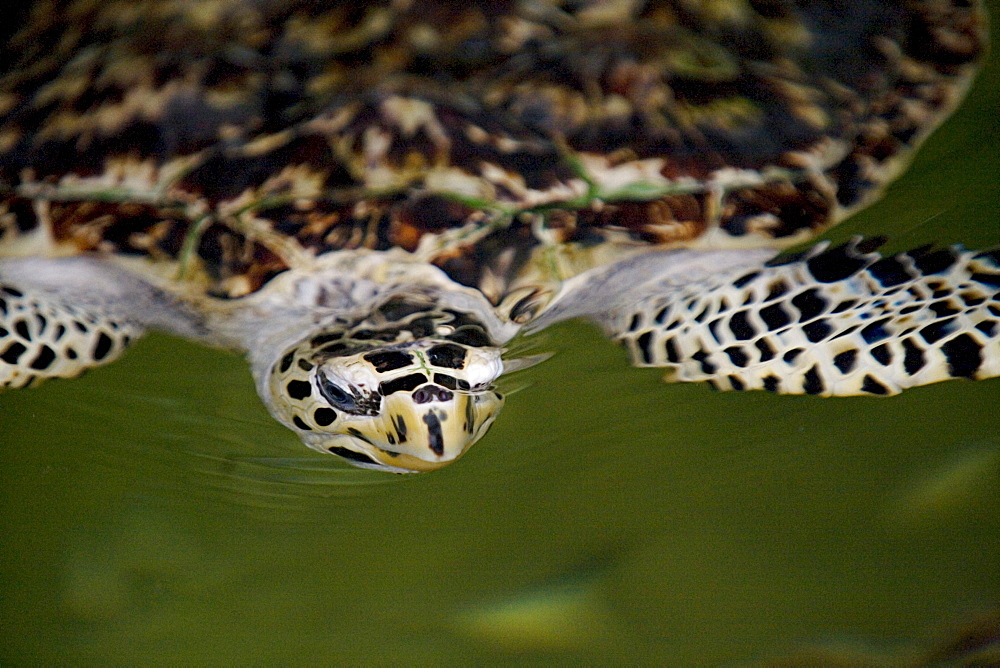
44, 335
833, 321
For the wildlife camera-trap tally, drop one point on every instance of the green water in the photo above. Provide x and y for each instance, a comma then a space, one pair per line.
152, 512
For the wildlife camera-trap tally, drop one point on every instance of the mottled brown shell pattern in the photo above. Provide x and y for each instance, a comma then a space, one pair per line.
232, 138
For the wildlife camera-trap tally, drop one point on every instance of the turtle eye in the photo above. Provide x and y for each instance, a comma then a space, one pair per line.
336, 395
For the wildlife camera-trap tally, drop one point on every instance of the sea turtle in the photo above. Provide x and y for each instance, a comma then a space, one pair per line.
372, 199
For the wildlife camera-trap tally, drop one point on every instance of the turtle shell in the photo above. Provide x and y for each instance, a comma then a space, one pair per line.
233, 139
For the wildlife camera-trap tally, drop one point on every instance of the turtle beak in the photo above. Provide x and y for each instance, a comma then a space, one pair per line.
423, 431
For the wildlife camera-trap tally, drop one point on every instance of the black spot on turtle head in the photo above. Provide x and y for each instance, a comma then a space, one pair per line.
401, 428
452, 383
388, 360
358, 435
347, 453
324, 416
298, 389
434, 433
286, 361
447, 355
404, 384
297, 421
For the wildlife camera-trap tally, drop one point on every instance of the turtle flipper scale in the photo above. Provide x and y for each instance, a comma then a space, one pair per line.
833, 322
43, 336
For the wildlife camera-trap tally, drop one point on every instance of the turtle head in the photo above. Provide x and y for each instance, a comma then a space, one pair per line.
407, 407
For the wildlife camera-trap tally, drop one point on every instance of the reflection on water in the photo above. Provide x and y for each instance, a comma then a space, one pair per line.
553, 618
963, 490
154, 510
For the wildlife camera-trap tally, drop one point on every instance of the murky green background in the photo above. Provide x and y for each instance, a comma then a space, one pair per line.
152, 512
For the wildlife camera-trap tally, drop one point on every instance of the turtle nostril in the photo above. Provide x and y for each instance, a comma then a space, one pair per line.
429, 393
